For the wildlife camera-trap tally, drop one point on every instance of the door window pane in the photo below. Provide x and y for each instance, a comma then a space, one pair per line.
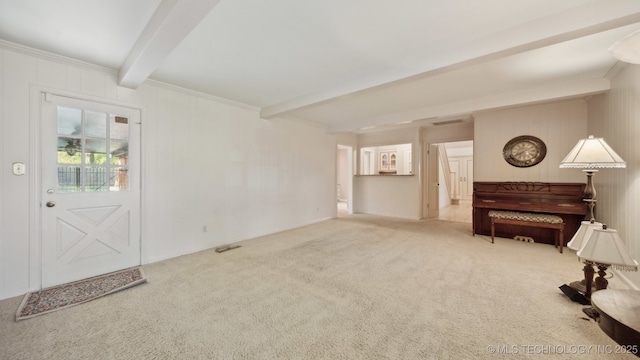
119, 179
92, 151
96, 124
69, 121
69, 179
95, 152
69, 150
96, 179
119, 127
119, 152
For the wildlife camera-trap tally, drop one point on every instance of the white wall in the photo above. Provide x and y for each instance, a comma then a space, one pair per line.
389, 195
206, 162
560, 125
444, 199
459, 149
615, 116
447, 133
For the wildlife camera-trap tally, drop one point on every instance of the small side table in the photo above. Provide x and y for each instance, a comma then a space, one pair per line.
619, 312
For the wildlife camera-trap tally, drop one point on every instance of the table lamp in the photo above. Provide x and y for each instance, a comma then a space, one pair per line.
577, 243
605, 249
590, 154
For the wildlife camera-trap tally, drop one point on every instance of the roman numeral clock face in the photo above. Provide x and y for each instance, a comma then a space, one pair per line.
524, 151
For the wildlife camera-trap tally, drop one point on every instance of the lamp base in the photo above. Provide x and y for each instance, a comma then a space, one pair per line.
591, 214
601, 282
589, 195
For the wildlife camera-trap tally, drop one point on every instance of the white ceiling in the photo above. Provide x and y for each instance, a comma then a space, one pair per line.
343, 64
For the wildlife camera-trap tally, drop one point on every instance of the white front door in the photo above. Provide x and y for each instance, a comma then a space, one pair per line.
90, 189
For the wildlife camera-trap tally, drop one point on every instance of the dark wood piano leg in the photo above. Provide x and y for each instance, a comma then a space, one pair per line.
493, 229
473, 221
560, 239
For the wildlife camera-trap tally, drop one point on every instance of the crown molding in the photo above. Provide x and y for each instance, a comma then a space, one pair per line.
615, 69
45, 55
26, 50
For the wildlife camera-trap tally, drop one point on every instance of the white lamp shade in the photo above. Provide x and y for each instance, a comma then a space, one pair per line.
592, 153
583, 234
605, 247
627, 49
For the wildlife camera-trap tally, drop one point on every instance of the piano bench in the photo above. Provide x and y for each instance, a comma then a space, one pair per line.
528, 219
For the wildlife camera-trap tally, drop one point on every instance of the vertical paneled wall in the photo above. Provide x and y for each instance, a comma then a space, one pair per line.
18, 71
213, 171
560, 125
615, 116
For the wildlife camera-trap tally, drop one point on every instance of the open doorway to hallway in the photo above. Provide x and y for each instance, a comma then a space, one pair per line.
456, 174
344, 180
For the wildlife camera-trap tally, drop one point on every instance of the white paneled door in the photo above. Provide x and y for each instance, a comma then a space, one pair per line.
90, 180
462, 181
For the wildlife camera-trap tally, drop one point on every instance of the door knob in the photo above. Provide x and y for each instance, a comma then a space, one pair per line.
51, 204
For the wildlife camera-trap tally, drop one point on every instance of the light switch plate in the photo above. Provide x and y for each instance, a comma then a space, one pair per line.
18, 168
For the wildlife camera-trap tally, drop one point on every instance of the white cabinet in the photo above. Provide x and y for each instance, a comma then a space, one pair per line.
388, 162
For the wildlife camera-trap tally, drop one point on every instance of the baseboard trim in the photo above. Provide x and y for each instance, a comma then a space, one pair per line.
20, 292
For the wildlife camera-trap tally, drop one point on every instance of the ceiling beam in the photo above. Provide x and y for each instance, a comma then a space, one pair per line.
574, 89
172, 21
572, 24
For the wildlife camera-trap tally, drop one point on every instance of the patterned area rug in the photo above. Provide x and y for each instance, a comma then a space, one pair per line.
66, 295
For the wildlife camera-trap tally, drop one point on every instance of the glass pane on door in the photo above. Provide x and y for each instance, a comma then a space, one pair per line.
96, 124
119, 179
96, 179
92, 151
119, 126
69, 121
96, 152
69, 150
69, 179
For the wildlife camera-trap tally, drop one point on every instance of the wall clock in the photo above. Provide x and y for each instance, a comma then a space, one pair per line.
524, 151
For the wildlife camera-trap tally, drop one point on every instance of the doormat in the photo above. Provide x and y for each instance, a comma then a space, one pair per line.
78, 292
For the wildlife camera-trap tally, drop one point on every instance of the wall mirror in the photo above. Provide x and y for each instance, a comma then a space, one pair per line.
386, 160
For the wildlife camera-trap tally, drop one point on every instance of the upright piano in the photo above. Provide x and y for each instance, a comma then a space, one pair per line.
561, 199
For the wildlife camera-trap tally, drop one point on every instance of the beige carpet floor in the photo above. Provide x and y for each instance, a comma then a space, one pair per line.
356, 287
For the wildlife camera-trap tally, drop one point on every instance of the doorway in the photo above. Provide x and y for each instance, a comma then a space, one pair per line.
89, 189
344, 180
456, 166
